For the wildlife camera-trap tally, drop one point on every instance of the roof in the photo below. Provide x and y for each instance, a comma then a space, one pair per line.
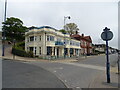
79, 37
43, 27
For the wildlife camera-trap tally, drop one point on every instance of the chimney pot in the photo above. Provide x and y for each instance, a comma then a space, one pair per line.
82, 35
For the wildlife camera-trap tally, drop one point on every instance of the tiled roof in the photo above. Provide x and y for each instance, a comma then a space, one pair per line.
77, 36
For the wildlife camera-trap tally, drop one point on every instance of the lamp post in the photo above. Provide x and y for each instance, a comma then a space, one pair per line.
64, 32
3, 46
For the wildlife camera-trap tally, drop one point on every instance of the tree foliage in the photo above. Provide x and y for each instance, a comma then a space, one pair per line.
14, 29
71, 28
63, 31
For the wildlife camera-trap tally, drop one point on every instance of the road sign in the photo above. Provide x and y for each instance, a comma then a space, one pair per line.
109, 35
106, 36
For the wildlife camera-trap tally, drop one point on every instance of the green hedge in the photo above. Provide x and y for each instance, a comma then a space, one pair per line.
19, 51
99, 52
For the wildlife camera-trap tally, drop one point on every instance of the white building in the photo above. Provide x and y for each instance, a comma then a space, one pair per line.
47, 41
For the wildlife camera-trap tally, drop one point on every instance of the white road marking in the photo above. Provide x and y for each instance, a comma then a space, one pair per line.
61, 68
77, 87
54, 71
87, 66
65, 80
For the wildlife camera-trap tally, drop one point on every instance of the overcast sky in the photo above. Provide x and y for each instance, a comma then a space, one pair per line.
91, 17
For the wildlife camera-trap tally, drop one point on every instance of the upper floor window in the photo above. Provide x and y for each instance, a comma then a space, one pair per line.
35, 38
58, 39
90, 44
50, 38
77, 44
74, 43
66, 41
40, 37
32, 38
27, 39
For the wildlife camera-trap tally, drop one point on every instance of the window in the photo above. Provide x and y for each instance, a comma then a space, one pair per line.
40, 50
47, 38
50, 38
49, 50
66, 41
35, 38
85, 44
40, 38
90, 44
31, 49
77, 44
35, 50
27, 48
32, 38
27, 39
58, 39
70, 42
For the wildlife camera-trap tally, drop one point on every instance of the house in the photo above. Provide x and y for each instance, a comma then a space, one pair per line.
47, 41
100, 47
85, 43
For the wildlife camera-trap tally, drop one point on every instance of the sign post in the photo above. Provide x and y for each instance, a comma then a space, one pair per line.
106, 36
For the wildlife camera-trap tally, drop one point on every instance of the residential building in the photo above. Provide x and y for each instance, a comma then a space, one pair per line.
86, 43
100, 47
47, 41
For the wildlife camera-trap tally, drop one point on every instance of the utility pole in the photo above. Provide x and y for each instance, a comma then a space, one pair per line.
3, 46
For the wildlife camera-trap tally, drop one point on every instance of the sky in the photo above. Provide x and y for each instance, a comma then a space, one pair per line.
91, 16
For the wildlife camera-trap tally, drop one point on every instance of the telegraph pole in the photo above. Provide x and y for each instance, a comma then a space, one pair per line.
3, 46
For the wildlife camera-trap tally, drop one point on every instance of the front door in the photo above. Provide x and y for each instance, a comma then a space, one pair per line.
57, 52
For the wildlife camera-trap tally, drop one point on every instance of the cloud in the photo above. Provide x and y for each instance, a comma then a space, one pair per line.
91, 17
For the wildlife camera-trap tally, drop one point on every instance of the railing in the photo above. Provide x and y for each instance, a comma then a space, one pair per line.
59, 43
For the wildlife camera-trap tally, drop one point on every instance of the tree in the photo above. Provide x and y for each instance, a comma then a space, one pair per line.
71, 28
63, 31
14, 29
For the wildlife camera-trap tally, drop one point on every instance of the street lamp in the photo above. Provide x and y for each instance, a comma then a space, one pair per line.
3, 46
64, 32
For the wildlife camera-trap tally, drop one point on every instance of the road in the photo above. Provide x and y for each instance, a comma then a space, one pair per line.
78, 74
21, 75
74, 74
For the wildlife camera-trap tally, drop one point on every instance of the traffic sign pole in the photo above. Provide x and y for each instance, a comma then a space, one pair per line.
106, 36
107, 63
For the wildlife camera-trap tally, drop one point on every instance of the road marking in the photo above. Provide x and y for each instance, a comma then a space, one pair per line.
54, 71
77, 87
61, 68
65, 80
87, 66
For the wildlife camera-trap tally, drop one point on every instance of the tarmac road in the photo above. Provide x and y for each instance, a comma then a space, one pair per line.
22, 75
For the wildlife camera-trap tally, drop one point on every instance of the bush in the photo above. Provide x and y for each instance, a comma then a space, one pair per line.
19, 51
99, 52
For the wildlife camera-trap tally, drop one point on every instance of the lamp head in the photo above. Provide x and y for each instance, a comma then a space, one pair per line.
69, 17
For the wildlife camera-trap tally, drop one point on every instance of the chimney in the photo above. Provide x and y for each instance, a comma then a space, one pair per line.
76, 32
82, 35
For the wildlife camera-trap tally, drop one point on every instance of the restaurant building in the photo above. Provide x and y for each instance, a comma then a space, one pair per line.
47, 41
